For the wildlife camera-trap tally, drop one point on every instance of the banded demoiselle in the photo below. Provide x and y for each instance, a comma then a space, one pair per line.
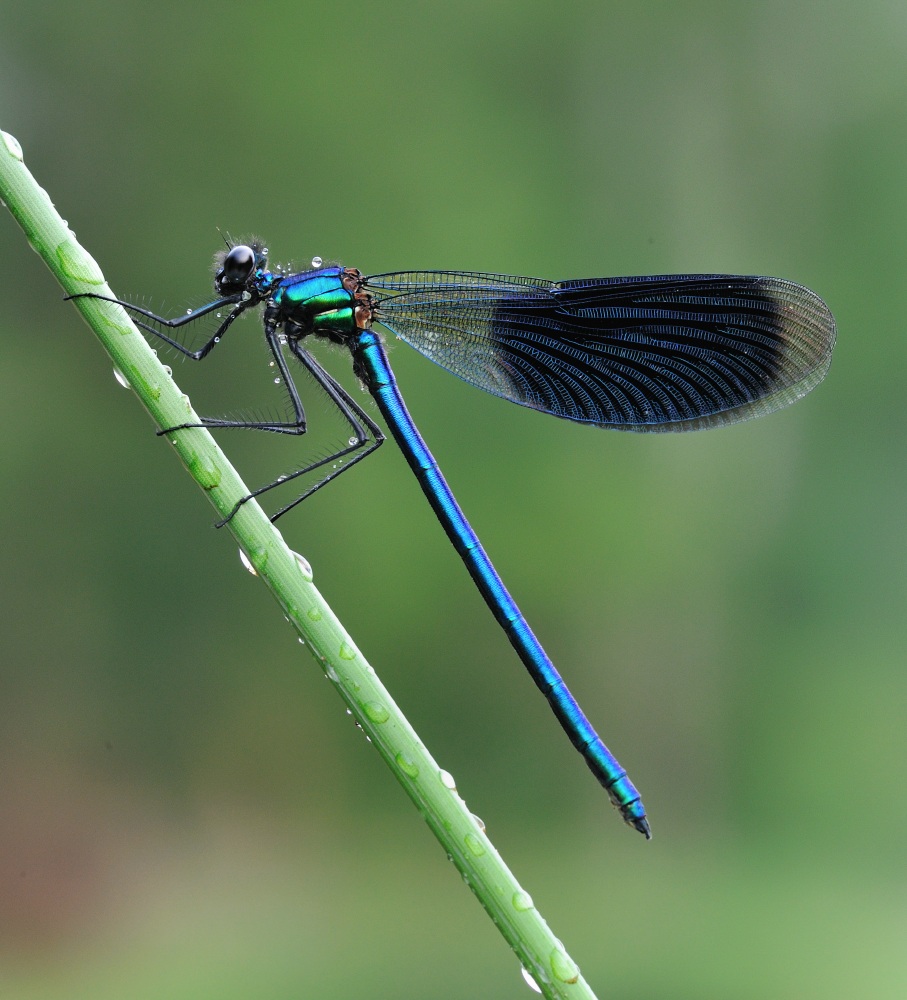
671, 352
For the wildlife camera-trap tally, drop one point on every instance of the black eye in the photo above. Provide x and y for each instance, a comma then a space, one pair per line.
238, 264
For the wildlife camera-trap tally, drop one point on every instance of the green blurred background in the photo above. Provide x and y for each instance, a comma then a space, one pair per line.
186, 811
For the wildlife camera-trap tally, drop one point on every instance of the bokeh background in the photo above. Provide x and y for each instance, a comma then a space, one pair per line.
185, 808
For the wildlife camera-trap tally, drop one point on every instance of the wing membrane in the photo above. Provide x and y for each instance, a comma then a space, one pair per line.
671, 352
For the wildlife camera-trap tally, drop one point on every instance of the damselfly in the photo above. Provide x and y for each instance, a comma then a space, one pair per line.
671, 352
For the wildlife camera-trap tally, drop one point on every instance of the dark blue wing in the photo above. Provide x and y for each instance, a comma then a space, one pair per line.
671, 352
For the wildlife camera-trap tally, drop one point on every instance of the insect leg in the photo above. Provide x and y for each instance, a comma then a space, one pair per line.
366, 436
239, 306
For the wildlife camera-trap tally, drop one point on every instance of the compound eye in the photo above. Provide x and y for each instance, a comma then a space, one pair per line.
238, 264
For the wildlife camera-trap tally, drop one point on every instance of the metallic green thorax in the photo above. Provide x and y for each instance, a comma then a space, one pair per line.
320, 302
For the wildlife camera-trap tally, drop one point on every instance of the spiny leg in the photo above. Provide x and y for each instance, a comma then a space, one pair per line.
367, 436
360, 422
239, 304
295, 426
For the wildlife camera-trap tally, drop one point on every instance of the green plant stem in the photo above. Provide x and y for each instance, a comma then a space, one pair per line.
430, 788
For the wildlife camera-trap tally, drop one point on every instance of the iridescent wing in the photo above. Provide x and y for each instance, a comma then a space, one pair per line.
671, 352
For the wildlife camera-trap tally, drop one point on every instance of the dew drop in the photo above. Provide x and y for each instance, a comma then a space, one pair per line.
563, 966
121, 378
188, 312
317, 262
376, 712
447, 780
407, 766
476, 847
277, 381
208, 474
168, 370
352, 442
530, 982
244, 559
313, 614
331, 674
522, 901
12, 145
76, 264
304, 565
347, 652
479, 822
